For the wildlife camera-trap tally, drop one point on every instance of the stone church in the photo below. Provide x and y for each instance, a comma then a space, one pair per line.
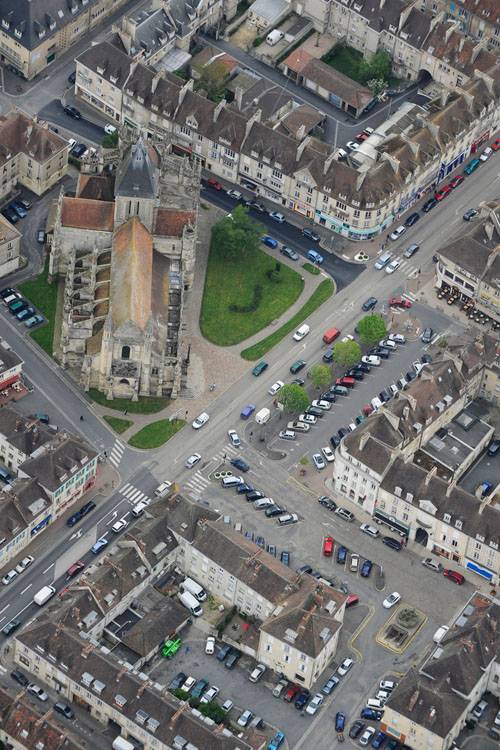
125, 246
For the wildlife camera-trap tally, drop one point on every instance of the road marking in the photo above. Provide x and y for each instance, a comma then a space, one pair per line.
1, 620
6, 607
47, 569
27, 587
359, 630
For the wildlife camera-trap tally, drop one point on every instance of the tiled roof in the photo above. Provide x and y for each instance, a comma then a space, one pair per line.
20, 133
131, 274
169, 222
54, 467
97, 187
297, 60
337, 83
83, 213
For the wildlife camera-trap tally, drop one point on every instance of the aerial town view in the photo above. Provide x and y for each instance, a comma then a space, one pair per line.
249, 374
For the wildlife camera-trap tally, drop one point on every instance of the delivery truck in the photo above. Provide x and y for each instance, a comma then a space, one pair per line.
43, 596
263, 416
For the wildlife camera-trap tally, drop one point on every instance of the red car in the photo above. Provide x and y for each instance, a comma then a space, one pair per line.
361, 137
454, 576
496, 145
352, 599
446, 190
74, 569
456, 181
367, 410
214, 184
291, 693
400, 302
328, 546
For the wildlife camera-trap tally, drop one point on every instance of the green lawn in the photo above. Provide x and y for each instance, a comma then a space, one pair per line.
233, 282
117, 424
44, 297
145, 404
156, 433
346, 60
323, 291
311, 269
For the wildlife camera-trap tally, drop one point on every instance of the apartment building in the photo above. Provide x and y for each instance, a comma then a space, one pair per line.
429, 707
471, 262
34, 33
11, 366
477, 19
403, 464
53, 471
10, 248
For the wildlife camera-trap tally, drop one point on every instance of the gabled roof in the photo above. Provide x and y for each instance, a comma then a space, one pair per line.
169, 222
131, 274
85, 213
107, 61
136, 176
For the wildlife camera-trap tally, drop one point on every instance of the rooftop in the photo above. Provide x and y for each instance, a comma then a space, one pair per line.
8, 358
58, 461
20, 133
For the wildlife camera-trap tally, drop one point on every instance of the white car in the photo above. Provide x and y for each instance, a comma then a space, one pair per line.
9, 577
347, 338
387, 685
307, 418
37, 690
119, 526
497, 720
234, 438
371, 359
192, 460
319, 404
286, 434
200, 420
109, 129
328, 454
396, 234
318, 461
245, 718
301, 332
235, 194
366, 736
352, 145
440, 633
273, 390
25, 563
486, 154
398, 338
210, 695
210, 645
345, 667
257, 673
277, 217
383, 695
370, 530
314, 704
189, 683
391, 600
393, 266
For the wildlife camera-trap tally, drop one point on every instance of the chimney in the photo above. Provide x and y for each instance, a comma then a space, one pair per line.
238, 97
155, 82
430, 474
363, 440
406, 412
382, 3
450, 488
219, 109
301, 147
301, 132
413, 700
328, 162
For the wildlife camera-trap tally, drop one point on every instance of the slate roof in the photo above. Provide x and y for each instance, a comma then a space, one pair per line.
136, 176
21, 133
53, 467
337, 83
114, 63
26, 434
9, 359
184, 517
155, 627
97, 187
168, 222
303, 117
7, 231
472, 248
20, 504
85, 213
32, 19
131, 274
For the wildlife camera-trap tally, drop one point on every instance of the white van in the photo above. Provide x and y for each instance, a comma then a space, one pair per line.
191, 603
383, 261
194, 588
43, 596
376, 403
231, 481
163, 489
374, 703
263, 416
139, 508
274, 37
287, 518
301, 332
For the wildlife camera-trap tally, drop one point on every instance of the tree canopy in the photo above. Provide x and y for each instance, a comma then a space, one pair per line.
347, 353
236, 235
320, 375
213, 80
293, 398
371, 329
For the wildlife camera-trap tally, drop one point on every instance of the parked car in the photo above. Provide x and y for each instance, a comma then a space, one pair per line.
469, 214
344, 668
330, 685
399, 302
318, 461
412, 219
366, 568
429, 205
37, 691
339, 721
427, 335
301, 700
328, 546
391, 600
366, 736
369, 304
213, 183
428, 562
315, 257
395, 544
269, 241
245, 718
396, 233
25, 563
454, 576
411, 250
356, 729
313, 705
64, 709
297, 366
277, 216
289, 252
192, 460
310, 234
19, 677
72, 112
34, 321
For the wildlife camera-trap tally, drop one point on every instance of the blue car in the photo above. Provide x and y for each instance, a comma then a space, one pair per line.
99, 545
379, 740
330, 686
315, 257
339, 721
20, 210
370, 713
285, 558
366, 568
276, 741
239, 464
301, 700
26, 313
35, 320
341, 555
269, 241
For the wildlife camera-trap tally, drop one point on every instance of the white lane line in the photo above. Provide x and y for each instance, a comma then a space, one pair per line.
27, 587
47, 569
6, 607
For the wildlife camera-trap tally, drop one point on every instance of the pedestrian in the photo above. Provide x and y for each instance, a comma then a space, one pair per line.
125, 413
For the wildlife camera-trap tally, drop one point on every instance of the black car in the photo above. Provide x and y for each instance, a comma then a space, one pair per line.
274, 510
369, 304
254, 495
64, 709
310, 234
412, 219
271, 548
334, 441
328, 356
468, 215
328, 396
305, 569
260, 542
389, 541
222, 652
78, 150
410, 375
426, 359
356, 729
11, 626
355, 373
242, 489
256, 206
343, 431
494, 448
72, 77
384, 396
429, 205
87, 508
10, 214
239, 464
72, 112
363, 367
315, 412
180, 678
19, 677
427, 335
341, 555
323, 500
232, 659
379, 351
74, 518
7, 292
298, 381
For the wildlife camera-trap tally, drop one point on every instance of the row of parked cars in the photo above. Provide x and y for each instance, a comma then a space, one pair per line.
38, 692
20, 307
16, 210
261, 502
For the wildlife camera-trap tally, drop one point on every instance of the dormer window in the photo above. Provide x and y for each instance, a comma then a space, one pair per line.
5, 23
100, 70
447, 518
18, 32
113, 79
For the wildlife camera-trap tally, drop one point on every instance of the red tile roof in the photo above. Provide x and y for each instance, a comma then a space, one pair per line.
131, 274
170, 222
297, 60
83, 213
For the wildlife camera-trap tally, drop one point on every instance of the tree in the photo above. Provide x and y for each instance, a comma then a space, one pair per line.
371, 329
110, 140
293, 398
236, 235
347, 353
377, 67
320, 375
213, 80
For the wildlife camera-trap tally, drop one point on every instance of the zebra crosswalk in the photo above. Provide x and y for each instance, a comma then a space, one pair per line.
197, 482
226, 452
409, 269
116, 453
133, 495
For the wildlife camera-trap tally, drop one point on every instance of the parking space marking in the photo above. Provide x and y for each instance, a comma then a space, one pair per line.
358, 632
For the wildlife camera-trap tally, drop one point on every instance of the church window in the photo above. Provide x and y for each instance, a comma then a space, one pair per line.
125, 352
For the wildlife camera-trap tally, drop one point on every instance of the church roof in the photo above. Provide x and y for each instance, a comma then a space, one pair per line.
85, 213
131, 274
136, 175
170, 223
